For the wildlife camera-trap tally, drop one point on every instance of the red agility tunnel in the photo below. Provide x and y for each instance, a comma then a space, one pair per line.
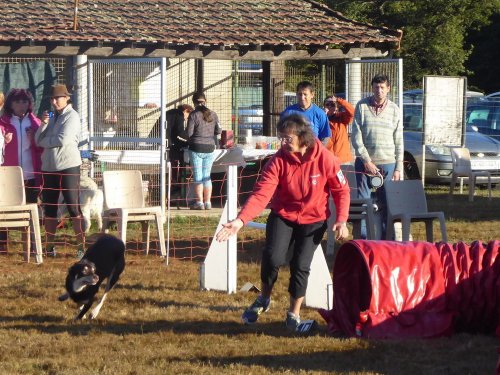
385, 289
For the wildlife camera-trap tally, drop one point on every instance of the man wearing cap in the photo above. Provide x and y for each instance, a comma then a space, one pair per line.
59, 137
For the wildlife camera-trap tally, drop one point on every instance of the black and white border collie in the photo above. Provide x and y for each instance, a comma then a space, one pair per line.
105, 259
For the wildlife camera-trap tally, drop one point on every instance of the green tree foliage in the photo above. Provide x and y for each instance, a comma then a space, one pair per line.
434, 31
484, 60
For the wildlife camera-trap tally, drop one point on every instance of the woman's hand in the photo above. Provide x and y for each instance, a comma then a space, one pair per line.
7, 137
30, 134
45, 117
341, 230
229, 229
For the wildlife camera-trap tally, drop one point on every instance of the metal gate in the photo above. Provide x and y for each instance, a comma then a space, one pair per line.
125, 97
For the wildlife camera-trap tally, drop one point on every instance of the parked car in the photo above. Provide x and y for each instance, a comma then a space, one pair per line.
495, 96
484, 150
485, 117
417, 96
250, 117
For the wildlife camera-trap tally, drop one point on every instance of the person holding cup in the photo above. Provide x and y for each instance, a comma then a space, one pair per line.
59, 136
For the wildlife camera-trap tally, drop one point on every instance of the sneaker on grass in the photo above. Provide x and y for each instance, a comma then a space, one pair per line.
251, 314
51, 251
292, 321
197, 206
80, 252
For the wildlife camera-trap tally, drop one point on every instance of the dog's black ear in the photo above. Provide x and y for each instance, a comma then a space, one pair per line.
63, 297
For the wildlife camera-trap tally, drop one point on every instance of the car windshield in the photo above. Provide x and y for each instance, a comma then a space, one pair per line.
412, 116
484, 117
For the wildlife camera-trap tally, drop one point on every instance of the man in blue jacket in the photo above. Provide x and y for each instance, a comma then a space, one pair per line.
305, 107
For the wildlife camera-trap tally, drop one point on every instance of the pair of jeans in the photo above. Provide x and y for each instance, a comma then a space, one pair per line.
285, 239
201, 163
364, 186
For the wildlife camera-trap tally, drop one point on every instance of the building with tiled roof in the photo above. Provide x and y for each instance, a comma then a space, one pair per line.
127, 60
212, 29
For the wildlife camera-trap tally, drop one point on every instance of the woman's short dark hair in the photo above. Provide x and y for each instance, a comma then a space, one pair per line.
298, 125
16, 94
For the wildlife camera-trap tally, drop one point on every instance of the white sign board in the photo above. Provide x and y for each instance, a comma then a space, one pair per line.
443, 117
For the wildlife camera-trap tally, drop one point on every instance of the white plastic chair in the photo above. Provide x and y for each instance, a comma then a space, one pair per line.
406, 203
15, 213
460, 158
124, 201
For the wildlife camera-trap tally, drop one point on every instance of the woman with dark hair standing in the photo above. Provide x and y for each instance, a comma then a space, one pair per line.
203, 126
299, 178
59, 136
18, 126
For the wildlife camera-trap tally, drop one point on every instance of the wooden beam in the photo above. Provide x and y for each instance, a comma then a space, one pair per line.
189, 54
63, 50
257, 55
222, 55
128, 51
266, 97
292, 55
98, 51
160, 52
27, 50
276, 53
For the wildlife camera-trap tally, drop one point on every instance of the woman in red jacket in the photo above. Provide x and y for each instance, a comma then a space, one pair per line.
299, 178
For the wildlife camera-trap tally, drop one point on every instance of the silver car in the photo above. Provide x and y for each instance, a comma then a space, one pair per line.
484, 150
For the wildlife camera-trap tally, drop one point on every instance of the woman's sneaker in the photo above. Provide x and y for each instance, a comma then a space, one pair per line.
198, 206
251, 314
208, 206
51, 252
292, 321
80, 252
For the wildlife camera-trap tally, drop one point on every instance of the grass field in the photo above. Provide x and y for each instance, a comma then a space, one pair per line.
157, 321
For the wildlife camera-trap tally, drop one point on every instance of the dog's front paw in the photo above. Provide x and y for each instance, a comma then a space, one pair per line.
78, 317
94, 313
